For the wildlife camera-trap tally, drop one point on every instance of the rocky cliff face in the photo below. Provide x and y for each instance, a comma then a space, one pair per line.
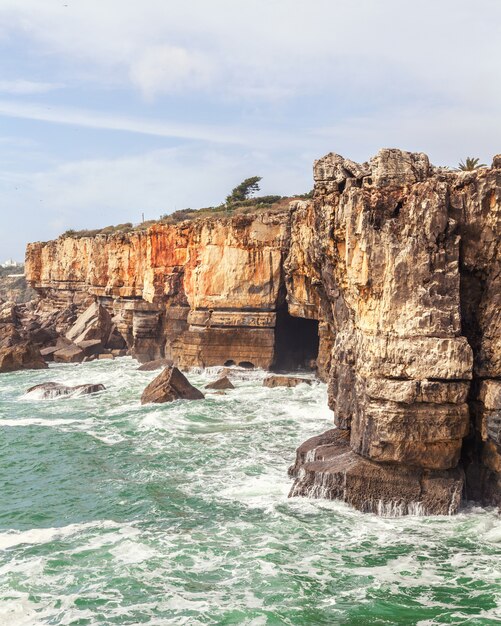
389, 278
201, 293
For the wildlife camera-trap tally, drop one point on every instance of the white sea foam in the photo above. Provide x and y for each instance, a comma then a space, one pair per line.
258, 490
34, 421
132, 552
218, 534
12, 538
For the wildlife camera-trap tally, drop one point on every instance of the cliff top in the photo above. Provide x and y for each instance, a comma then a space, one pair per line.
264, 204
390, 167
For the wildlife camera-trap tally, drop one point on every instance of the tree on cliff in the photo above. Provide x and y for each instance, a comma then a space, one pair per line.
243, 191
469, 164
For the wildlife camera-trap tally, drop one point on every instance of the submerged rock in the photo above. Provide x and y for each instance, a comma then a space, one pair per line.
157, 364
285, 381
221, 383
170, 385
23, 356
51, 390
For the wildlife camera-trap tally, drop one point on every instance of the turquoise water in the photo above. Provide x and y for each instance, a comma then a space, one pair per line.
114, 513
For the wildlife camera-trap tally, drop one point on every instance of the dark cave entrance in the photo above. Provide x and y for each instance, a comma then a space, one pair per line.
296, 342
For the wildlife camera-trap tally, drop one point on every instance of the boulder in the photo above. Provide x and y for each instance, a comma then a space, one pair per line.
170, 385
91, 346
23, 356
48, 353
221, 383
115, 341
105, 357
285, 381
154, 365
8, 313
94, 323
69, 354
9, 336
51, 390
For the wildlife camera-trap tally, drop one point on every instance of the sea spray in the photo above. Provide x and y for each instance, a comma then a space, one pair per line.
117, 513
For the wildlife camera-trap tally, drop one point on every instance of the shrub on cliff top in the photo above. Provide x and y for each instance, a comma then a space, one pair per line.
469, 164
244, 190
107, 230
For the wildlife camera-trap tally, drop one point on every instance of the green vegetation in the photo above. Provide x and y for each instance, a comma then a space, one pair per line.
238, 202
108, 230
244, 190
469, 164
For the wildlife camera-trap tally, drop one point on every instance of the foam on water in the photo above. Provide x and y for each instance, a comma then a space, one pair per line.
117, 513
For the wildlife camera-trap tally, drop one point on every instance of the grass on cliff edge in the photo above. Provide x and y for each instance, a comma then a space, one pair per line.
261, 204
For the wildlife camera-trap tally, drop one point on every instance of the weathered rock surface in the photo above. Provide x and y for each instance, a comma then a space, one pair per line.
285, 381
326, 467
22, 356
69, 354
387, 283
150, 366
221, 383
170, 385
407, 267
51, 390
13, 286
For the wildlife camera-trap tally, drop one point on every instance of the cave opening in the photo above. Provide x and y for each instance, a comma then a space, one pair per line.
296, 342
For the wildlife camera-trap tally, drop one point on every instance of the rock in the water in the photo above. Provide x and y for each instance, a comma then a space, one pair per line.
69, 354
23, 356
285, 381
157, 364
326, 467
221, 383
386, 281
51, 390
170, 385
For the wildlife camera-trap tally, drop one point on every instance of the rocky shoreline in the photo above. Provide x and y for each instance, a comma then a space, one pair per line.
386, 283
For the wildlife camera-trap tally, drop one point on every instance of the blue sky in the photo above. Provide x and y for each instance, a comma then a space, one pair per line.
112, 108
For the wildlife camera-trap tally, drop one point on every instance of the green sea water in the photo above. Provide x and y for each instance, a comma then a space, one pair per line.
117, 513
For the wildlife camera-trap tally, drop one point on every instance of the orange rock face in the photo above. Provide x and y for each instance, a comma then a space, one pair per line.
388, 282
203, 292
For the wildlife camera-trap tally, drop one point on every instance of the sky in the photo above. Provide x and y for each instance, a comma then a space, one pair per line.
111, 109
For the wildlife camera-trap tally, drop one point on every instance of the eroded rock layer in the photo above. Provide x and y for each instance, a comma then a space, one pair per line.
387, 281
408, 275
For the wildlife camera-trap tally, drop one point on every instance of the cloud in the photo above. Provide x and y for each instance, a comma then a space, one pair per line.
93, 193
266, 49
21, 87
163, 69
94, 119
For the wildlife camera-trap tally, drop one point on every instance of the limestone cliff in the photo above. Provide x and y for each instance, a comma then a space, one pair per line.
388, 279
200, 293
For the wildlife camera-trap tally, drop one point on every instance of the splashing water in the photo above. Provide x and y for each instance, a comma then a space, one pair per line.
117, 513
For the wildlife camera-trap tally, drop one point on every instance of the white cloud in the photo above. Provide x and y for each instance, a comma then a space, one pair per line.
95, 193
22, 87
95, 119
447, 49
163, 69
